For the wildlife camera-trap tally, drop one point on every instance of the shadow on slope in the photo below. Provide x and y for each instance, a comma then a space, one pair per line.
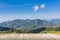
38, 30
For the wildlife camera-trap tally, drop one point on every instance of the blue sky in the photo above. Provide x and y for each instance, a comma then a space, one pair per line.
29, 9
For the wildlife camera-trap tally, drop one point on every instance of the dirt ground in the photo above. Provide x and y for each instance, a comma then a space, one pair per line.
29, 37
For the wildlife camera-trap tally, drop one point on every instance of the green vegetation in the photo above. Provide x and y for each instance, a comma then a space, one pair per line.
54, 29
30, 26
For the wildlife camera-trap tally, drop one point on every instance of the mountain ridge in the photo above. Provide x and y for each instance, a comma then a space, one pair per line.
28, 24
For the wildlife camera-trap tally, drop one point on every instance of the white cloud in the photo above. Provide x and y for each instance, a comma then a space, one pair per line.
36, 8
42, 6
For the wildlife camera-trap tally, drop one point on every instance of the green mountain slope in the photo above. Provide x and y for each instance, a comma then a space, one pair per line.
30, 25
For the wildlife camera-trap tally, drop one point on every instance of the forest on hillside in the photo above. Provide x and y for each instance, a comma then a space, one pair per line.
29, 26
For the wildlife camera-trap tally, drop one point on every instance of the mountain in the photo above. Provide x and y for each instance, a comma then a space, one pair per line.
55, 21
19, 23
28, 24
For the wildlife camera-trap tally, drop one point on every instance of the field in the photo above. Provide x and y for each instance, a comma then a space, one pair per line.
29, 37
52, 32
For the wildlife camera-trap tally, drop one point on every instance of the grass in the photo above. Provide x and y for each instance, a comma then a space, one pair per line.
52, 32
44, 32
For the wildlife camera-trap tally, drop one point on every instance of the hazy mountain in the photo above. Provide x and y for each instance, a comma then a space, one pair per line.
28, 24
19, 23
55, 21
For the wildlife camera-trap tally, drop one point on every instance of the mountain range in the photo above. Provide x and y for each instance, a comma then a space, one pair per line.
28, 24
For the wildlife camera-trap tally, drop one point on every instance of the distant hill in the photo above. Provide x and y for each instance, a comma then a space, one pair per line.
55, 21
28, 24
20, 23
